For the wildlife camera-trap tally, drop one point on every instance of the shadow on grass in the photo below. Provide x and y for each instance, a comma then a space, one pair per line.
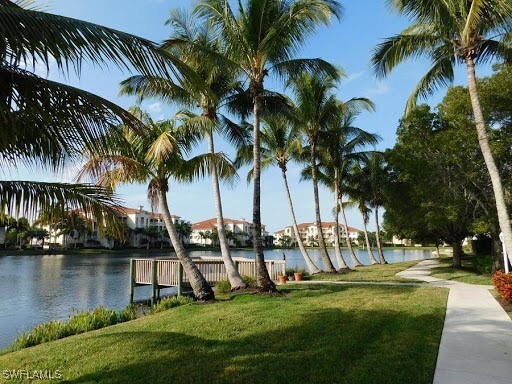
331, 345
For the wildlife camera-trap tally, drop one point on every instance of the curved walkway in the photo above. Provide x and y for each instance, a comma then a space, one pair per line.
476, 345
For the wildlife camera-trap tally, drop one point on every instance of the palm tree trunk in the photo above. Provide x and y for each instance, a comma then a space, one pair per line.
328, 266
233, 276
457, 253
372, 258
377, 235
200, 286
353, 256
264, 281
499, 196
311, 265
342, 266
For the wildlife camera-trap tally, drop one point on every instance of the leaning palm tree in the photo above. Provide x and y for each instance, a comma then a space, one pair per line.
155, 157
220, 86
375, 168
44, 122
262, 38
341, 145
279, 144
358, 191
314, 109
449, 32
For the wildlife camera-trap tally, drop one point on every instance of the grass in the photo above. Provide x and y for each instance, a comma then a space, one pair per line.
311, 334
467, 274
376, 272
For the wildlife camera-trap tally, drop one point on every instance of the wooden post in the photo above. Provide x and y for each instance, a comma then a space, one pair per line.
180, 279
154, 282
132, 279
236, 266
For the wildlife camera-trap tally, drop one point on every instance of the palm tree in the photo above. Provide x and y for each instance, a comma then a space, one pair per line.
220, 87
340, 146
47, 123
315, 107
280, 143
450, 32
261, 39
358, 191
154, 158
375, 169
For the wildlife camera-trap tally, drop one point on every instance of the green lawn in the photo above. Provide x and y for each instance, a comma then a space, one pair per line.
376, 272
466, 275
312, 334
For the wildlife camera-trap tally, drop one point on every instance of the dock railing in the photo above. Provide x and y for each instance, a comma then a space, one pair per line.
169, 273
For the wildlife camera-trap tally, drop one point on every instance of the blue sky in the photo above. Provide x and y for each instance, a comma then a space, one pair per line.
348, 43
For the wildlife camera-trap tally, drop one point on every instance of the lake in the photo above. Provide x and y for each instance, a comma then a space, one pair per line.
36, 289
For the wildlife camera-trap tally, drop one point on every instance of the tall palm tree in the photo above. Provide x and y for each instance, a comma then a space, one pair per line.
262, 37
316, 109
279, 144
450, 32
46, 123
341, 145
219, 90
358, 192
154, 158
375, 168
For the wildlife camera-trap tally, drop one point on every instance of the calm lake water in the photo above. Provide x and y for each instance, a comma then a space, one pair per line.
36, 289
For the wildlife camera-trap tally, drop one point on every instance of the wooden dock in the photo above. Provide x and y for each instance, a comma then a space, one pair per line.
169, 273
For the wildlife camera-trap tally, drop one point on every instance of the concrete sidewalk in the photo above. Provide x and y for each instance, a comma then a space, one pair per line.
476, 344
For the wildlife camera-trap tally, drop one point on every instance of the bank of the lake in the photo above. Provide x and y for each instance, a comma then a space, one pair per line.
40, 288
312, 334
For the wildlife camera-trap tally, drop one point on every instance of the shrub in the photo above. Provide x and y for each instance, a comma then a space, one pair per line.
223, 286
88, 321
127, 313
249, 281
41, 333
503, 283
289, 271
170, 302
483, 264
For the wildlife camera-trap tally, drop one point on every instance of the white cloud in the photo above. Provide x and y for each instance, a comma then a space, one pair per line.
380, 88
354, 76
155, 107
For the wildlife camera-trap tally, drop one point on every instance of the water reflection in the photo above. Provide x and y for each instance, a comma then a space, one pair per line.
35, 289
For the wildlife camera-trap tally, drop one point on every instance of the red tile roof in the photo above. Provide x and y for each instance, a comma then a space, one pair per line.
212, 223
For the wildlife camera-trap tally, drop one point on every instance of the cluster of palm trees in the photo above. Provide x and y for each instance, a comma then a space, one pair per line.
218, 60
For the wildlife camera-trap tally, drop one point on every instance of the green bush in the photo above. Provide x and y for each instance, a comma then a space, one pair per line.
289, 271
483, 264
78, 323
223, 286
170, 302
249, 281
127, 313
88, 321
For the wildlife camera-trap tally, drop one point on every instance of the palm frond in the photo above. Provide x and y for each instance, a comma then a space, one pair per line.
47, 121
28, 198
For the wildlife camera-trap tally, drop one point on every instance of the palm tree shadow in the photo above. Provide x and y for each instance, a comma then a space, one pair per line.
325, 346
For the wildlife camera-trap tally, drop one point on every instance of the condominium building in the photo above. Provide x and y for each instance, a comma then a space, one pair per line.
309, 234
239, 232
134, 218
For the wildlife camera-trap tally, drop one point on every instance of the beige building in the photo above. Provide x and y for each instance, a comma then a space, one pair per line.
309, 233
132, 217
239, 232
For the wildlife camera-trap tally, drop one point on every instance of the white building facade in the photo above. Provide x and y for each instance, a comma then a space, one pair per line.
309, 234
239, 232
